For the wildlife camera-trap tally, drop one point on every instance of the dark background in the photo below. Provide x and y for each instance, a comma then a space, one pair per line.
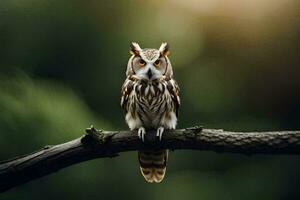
62, 64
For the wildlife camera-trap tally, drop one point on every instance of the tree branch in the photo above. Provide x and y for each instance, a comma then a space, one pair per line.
98, 144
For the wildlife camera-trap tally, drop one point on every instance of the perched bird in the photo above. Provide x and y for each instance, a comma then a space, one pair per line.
150, 99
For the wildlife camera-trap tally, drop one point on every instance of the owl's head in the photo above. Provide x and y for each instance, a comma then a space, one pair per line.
149, 64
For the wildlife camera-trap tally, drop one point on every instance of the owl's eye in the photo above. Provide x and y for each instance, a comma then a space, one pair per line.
157, 63
142, 63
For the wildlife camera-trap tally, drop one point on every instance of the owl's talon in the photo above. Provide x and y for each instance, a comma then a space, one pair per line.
159, 132
141, 133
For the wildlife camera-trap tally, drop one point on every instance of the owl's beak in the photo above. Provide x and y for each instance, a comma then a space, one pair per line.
149, 74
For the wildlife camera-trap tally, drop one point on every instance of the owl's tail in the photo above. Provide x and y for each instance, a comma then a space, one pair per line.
153, 164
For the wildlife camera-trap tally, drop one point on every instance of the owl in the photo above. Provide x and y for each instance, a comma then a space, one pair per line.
150, 100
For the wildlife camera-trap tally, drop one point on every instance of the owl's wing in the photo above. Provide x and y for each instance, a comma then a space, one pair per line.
173, 89
125, 92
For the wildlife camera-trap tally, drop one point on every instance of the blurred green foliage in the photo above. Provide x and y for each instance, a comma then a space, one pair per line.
62, 64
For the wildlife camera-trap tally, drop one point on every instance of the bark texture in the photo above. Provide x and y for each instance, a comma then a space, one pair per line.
98, 144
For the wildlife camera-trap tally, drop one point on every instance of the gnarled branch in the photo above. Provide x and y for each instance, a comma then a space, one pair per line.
98, 144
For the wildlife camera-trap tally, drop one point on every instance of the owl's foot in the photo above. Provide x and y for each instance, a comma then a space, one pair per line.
141, 133
159, 132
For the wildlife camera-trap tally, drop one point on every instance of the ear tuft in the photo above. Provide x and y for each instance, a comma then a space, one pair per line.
135, 48
164, 49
